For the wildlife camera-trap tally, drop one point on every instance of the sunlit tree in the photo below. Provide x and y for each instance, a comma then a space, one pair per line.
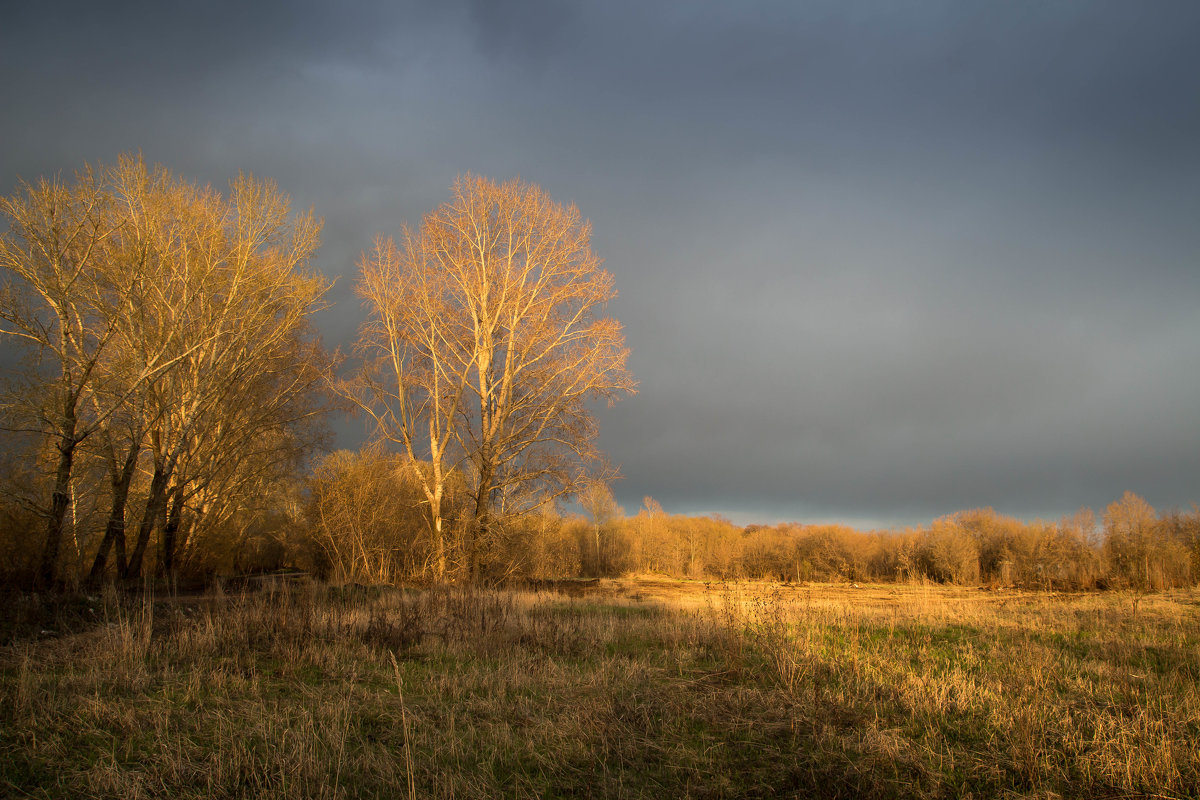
164, 323
251, 366
80, 276
597, 500
487, 341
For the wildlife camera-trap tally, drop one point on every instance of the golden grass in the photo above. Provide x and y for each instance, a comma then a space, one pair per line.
640, 688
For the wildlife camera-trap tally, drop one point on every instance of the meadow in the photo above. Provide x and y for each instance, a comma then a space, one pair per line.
638, 687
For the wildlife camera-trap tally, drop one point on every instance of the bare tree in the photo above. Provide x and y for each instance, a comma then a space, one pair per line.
80, 276
486, 343
530, 294
168, 320
596, 498
159, 222
416, 361
1139, 549
251, 365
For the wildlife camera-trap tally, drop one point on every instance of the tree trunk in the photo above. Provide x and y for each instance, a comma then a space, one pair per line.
170, 531
599, 562
439, 537
483, 518
114, 530
60, 500
155, 506
435, 494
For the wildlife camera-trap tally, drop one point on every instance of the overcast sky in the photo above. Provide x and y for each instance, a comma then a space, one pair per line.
877, 261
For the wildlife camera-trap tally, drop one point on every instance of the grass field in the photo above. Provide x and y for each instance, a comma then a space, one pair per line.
632, 688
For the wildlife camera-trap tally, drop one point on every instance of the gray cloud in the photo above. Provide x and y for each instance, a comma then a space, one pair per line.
876, 262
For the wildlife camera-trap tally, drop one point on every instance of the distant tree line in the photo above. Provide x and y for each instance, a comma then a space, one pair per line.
1131, 546
164, 404
364, 536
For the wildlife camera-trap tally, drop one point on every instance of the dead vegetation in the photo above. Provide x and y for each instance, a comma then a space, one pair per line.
629, 688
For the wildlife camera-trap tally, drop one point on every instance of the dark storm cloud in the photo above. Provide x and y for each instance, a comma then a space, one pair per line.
877, 261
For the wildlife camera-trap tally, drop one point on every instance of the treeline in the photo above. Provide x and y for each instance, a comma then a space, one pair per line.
165, 397
362, 517
1131, 546
363, 523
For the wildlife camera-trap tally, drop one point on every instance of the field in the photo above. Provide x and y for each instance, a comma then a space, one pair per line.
631, 688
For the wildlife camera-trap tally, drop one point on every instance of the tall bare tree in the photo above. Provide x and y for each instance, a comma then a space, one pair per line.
531, 292
160, 215
415, 369
486, 344
252, 363
80, 274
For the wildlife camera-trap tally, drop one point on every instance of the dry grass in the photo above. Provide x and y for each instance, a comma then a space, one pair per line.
640, 688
